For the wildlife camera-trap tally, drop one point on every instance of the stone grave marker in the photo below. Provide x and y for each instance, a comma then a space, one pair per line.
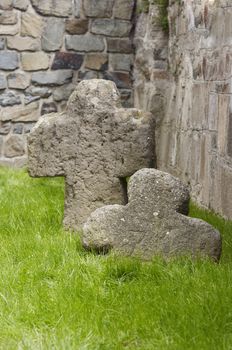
154, 222
95, 144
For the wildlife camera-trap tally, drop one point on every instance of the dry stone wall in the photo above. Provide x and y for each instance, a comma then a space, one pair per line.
194, 110
46, 47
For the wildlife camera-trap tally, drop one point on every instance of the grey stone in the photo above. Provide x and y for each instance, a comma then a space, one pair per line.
123, 45
96, 8
63, 93
29, 99
123, 9
94, 144
23, 43
39, 91
52, 37
48, 107
77, 8
6, 4
18, 129
14, 146
8, 17
5, 128
120, 62
9, 60
58, 77
154, 222
21, 4
60, 8
111, 27
8, 98
1, 143
3, 83
2, 43
28, 127
86, 43
87, 75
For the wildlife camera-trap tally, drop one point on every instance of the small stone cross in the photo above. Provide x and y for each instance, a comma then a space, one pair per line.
95, 144
154, 222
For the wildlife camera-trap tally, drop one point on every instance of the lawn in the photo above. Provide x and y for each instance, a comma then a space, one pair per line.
54, 295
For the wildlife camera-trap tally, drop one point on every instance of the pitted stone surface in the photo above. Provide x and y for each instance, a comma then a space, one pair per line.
93, 144
153, 222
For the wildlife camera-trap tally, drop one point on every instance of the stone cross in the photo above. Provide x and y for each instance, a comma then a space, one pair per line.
95, 144
154, 222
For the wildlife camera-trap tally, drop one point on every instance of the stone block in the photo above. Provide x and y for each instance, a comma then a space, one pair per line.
17, 129
111, 27
63, 93
67, 60
77, 25
18, 81
85, 43
121, 62
123, 9
153, 223
28, 127
21, 4
2, 43
59, 8
119, 45
23, 43
9, 29
77, 8
48, 107
9, 98
31, 24
34, 61
87, 75
39, 91
121, 79
14, 146
54, 78
3, 82
5, 128
96, 8
52, 37
20, 113
8, 17
29, 99
94, 143
6, 5
96, 61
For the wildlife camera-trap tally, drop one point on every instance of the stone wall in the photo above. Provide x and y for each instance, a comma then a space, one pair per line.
46, 47
194, 138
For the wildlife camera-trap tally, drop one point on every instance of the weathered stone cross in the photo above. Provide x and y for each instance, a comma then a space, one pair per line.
95, 144
154, 222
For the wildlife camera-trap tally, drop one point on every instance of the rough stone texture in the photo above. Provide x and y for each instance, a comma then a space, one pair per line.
111, 27
66, 60
152, 223
21, 4
52, 38
3, 82
86, 43
192, 104
8, 60
123, 9
77, 25
17, 129
94, 144
18, 81
121, 62
58, 38
60, 8
8, 98
97, 61
8, 17
23, 43
14, 147
6, 5
34, 61
54, 78
5, 128
20, 113
96, 8
32, 24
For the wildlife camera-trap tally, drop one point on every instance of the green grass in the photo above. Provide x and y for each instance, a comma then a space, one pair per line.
53, 295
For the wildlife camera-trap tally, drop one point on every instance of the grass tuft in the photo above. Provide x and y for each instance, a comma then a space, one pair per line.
54, 295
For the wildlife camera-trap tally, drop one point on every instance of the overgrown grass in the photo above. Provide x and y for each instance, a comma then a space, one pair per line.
53, 295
